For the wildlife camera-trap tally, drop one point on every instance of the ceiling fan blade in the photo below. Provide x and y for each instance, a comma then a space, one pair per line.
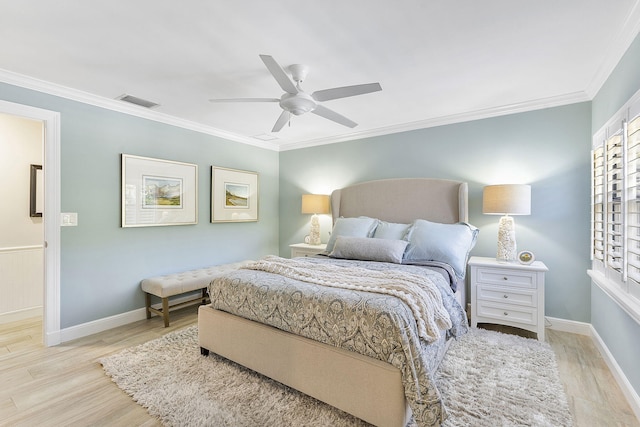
246, 100
279, 74
332, 115
343, 92
282, 120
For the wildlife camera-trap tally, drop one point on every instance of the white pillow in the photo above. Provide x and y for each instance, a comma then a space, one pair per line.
355, 227
391, 230
448, 243
369, 249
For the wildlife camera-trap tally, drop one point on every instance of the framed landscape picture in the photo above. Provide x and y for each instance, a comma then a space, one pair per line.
234, 195
158, 192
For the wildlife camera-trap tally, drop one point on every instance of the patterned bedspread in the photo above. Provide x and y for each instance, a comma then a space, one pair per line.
374, 324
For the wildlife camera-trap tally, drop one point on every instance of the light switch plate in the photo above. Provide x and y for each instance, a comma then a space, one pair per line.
69, 219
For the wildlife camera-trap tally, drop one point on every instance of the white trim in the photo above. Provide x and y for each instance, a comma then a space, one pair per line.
536, 104
583, 328
25, 313
624, 300
100, 325
626, 387
27, 82
51, 154
106, 323
617, 49
564, 325
21, 248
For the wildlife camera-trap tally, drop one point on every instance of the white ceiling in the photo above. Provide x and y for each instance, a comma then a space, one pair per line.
438, 61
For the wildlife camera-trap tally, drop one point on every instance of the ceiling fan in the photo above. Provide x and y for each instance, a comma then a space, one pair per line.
296, 101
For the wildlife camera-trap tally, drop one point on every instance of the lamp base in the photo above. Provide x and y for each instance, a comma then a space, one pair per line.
507, 250
314, 232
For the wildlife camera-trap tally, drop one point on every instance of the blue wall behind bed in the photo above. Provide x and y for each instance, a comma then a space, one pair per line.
548, 149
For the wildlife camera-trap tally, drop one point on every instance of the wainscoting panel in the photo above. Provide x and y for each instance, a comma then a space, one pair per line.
21, 279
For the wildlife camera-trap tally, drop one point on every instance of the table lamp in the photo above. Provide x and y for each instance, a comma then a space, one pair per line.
314, 204
506, 199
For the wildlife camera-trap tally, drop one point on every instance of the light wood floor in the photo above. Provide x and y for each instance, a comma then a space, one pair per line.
66, 386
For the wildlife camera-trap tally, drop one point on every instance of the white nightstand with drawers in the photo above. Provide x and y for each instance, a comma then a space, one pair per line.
509, 294
305, 249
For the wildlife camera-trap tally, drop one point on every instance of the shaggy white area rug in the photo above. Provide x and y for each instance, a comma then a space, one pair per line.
486, 379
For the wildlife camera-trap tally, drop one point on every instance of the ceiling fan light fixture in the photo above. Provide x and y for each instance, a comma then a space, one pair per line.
297, 104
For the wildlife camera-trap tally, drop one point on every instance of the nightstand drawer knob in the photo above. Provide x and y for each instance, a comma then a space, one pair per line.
506, 314
506, 296
505, 278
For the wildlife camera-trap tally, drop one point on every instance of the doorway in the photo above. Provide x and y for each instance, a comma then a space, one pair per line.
51, 215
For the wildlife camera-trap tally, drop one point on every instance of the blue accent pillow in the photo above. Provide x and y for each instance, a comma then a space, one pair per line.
390, 230
354, 227
448, 243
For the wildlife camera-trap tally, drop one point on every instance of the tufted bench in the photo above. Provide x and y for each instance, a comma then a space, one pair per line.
180, 283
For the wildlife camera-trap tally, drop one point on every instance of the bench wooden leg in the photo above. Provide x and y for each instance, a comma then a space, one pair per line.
165, 311
204, 296
147, 299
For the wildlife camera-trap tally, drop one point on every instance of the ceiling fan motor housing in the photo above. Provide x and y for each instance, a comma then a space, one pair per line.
297, 104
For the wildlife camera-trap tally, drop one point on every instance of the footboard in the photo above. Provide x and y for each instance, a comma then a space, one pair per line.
362, 386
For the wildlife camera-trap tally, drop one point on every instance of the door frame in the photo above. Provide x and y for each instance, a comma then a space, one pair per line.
51, 217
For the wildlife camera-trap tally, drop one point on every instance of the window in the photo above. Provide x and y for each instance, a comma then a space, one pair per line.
615, 206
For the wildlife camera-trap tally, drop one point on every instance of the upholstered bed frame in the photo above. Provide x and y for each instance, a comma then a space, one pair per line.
365, 387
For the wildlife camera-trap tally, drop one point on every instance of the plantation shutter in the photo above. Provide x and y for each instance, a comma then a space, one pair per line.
633, 201
614, 207
597, 204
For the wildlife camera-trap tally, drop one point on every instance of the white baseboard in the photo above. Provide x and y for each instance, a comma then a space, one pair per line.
15, 316
583, 328
564, 325
100, 325
626, 387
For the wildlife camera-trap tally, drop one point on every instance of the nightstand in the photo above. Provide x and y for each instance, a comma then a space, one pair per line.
305, 249
508, 293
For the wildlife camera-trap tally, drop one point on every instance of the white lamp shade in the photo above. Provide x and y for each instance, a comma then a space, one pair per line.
511, 199
315, 204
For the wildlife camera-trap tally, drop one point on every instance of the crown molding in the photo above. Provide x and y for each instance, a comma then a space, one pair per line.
620, 45
537, 104
27, 82
119, 106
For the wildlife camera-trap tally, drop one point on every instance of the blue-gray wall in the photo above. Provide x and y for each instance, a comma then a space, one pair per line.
548, 149
618, 330
101, 263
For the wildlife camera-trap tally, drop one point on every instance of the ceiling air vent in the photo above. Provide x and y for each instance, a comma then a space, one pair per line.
137, 101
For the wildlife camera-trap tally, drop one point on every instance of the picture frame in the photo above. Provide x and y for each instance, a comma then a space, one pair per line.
158, 192
36, 191
234, 195
526, 257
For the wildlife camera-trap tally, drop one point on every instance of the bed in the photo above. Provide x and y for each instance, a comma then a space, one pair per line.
360, 377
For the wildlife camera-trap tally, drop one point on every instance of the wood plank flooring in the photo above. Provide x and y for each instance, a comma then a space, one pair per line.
66, 386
